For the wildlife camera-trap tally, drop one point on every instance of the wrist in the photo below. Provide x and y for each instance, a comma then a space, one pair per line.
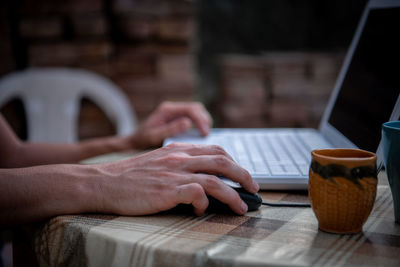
91, 189
104, 145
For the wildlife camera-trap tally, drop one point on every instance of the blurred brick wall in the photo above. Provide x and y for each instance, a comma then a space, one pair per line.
278, 89
147, 48
144, 46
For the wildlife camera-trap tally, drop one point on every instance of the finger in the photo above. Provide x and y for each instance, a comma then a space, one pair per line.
195, 111
173, 128
193, 194
205, 122
214, 187
199, 149
201, 118
221, 165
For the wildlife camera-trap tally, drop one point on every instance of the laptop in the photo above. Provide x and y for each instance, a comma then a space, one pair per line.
366, 94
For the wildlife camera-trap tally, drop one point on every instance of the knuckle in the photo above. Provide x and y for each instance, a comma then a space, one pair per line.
169, 176
221, 161
172, 145
175, 145
175, 159
197, 190
211, 182
217, 149
165, 105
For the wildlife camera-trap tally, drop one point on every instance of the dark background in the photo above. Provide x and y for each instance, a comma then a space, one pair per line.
180, 50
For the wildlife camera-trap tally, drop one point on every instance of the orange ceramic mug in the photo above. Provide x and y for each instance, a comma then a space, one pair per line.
342, 188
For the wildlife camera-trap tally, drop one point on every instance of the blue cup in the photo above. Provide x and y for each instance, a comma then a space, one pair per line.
391, 157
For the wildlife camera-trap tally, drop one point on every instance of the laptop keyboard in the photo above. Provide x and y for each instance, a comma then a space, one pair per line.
277, 153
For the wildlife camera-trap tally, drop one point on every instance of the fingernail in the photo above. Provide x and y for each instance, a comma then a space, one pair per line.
204, 130
256, 186
244, 207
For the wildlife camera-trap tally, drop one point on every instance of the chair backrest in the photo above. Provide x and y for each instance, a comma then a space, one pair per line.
52, 96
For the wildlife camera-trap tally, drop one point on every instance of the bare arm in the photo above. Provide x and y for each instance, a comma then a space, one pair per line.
169, 118
149, 183
36, 193
16, 153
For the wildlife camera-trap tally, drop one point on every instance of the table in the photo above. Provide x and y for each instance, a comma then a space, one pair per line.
268, 237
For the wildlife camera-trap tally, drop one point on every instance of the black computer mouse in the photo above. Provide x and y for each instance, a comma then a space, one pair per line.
253, 202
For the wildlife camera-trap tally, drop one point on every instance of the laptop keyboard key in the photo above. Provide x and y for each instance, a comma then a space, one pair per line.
277, 170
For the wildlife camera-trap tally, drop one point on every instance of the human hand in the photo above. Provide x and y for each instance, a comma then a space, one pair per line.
163, 178
169, 119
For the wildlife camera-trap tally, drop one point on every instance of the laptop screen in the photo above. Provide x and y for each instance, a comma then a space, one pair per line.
371, 85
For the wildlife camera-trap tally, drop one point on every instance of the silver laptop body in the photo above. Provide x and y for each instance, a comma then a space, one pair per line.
366, 94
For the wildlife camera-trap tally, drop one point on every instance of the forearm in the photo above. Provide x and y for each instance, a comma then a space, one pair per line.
37, 193
31, 154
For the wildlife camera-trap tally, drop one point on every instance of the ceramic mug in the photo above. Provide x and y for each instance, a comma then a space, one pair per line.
342, 188
391, 157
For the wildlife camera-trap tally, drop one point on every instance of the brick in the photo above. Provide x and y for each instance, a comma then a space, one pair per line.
151, 86
243, 89
242, 109
164, 48
240, 114
141, 66
63, 54
321, 87
288, 62
154, 7
138, 27
299, 75
89, 25
287, 113
68, 53
242, 78
146, 94
103, 68
94, 51
41, 27
233, 65
176, 29
176, 67
326, 67
288, 85
288, 74
326, 63
145, 103
127, 61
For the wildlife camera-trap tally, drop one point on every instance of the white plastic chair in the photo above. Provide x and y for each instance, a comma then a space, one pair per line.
51, 97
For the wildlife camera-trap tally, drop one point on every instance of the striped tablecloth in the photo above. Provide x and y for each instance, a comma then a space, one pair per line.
269, 237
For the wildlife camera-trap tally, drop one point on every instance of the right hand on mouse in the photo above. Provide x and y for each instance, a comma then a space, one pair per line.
174, 174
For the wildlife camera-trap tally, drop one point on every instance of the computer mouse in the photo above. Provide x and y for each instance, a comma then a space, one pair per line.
253, 202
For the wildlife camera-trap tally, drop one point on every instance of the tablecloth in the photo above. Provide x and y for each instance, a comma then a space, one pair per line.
270, 236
